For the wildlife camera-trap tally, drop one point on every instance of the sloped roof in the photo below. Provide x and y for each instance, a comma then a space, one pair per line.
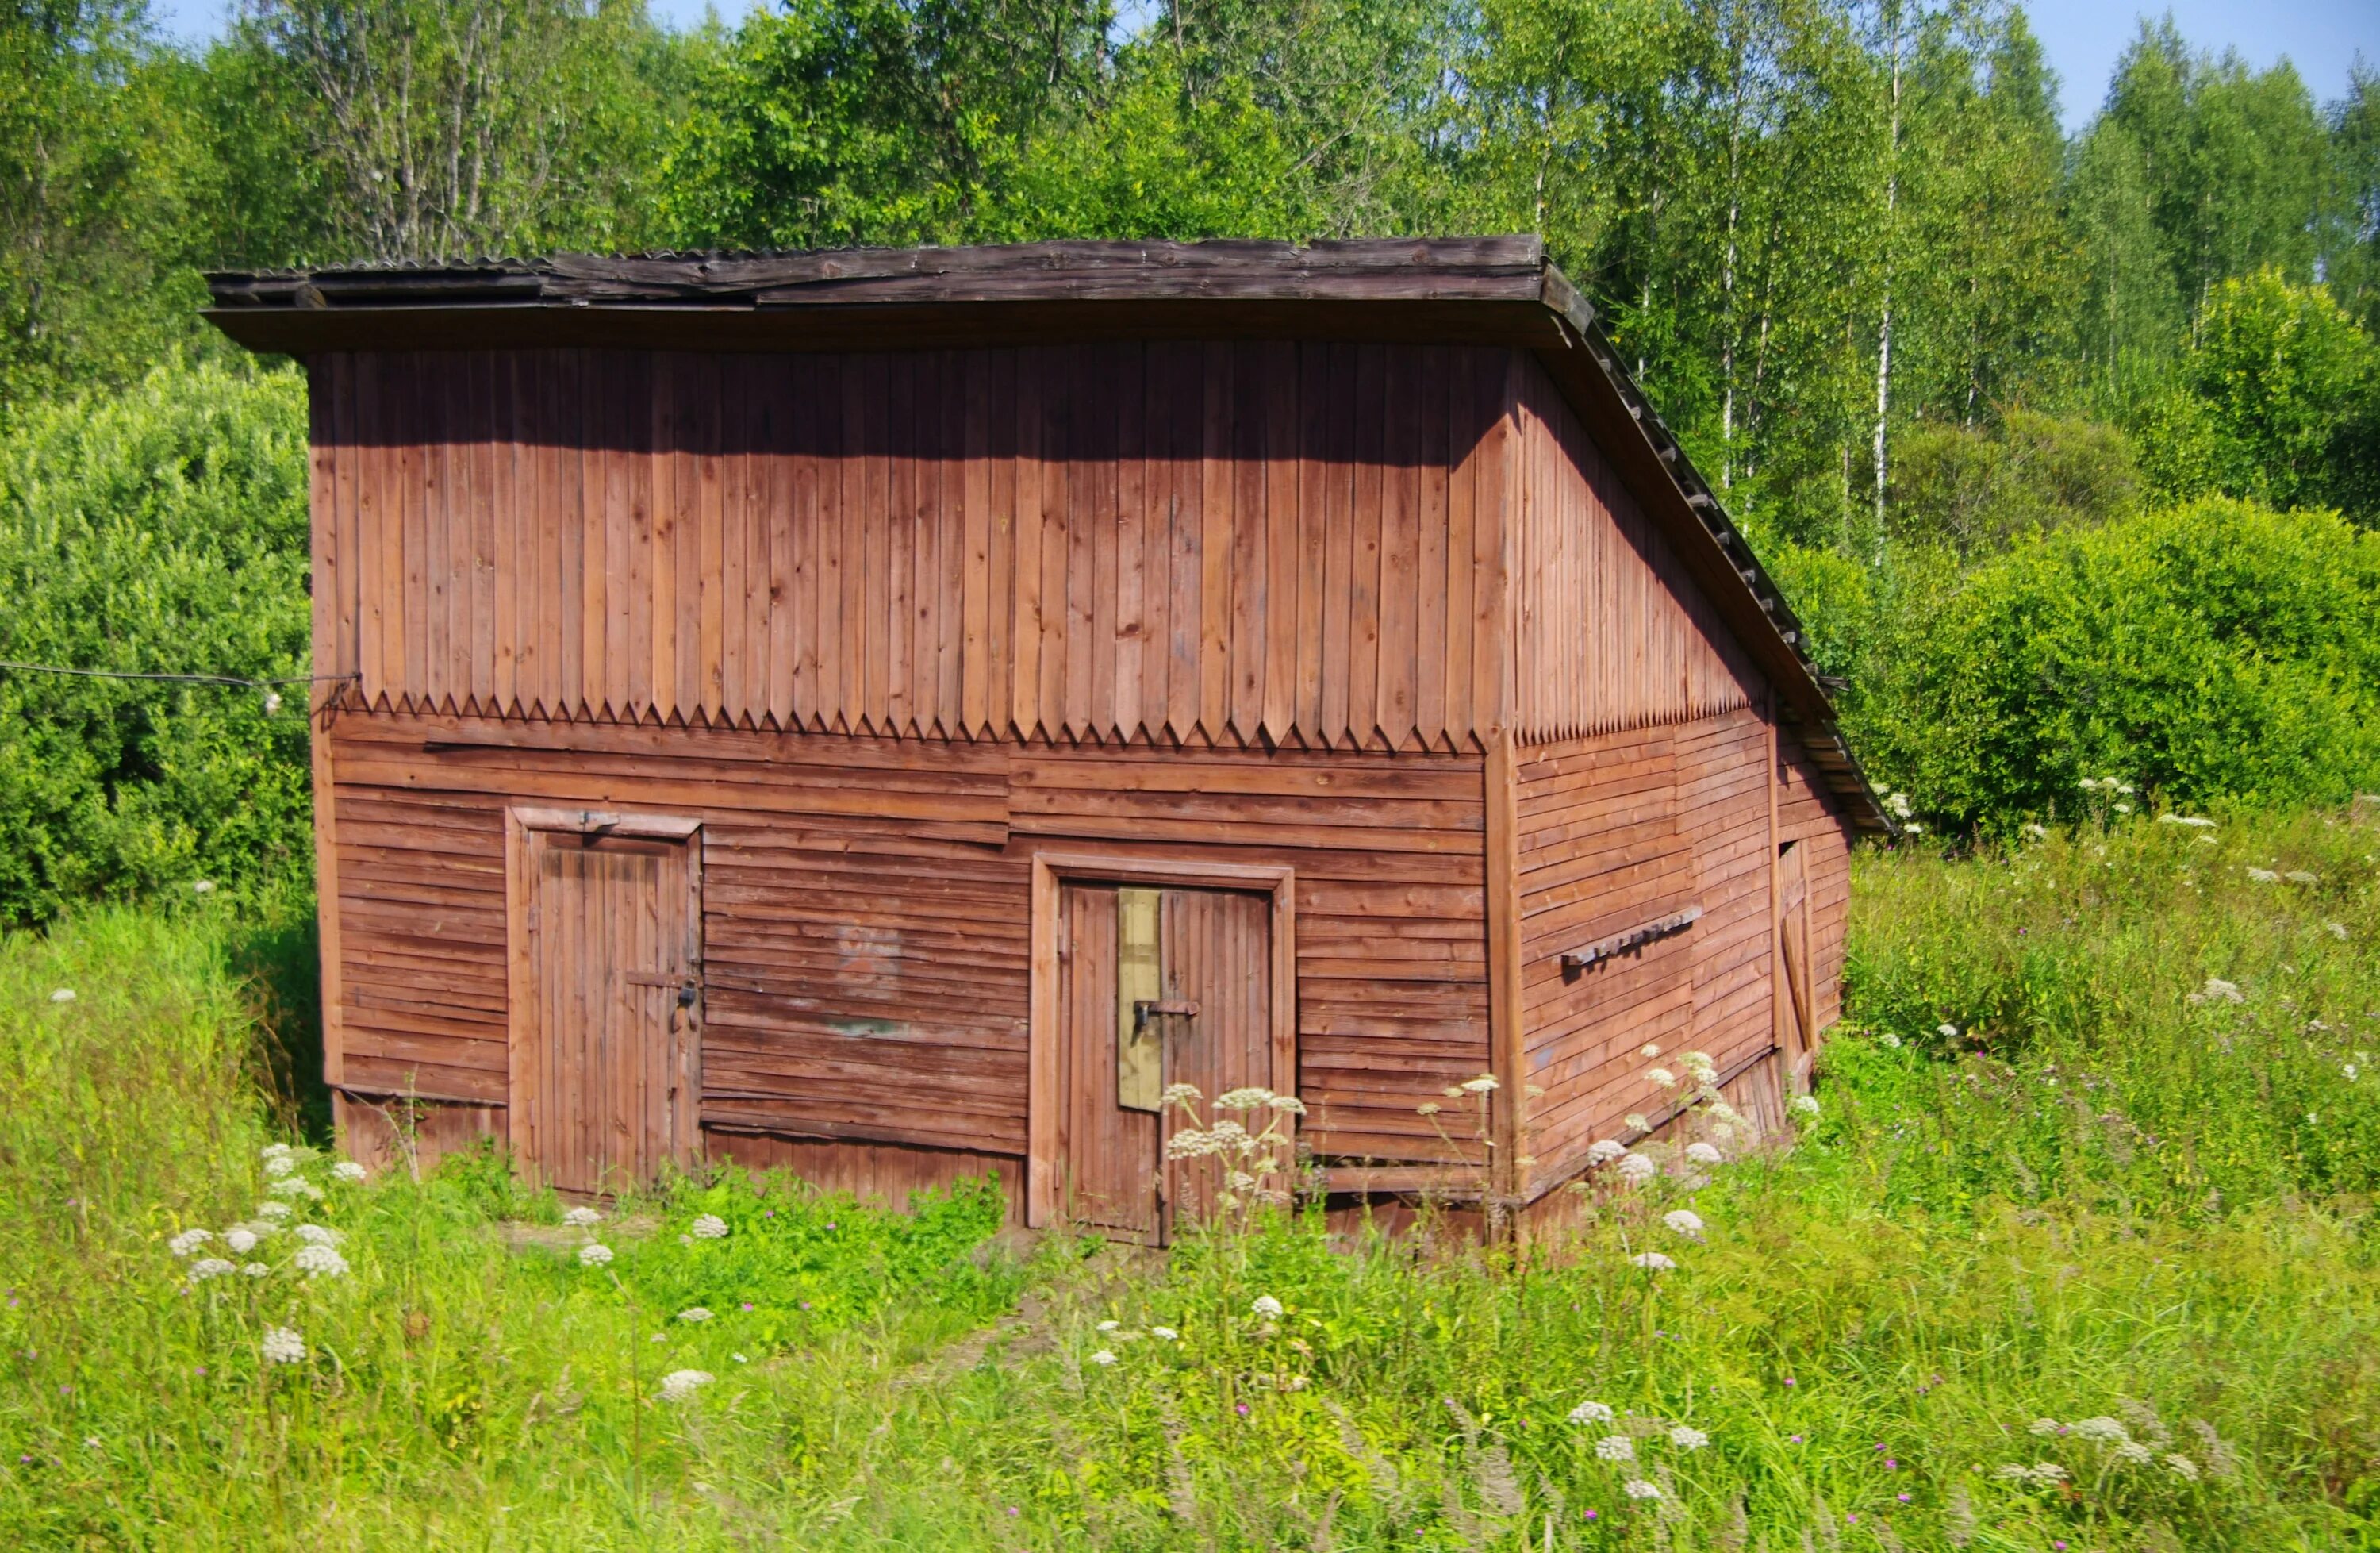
1477, 290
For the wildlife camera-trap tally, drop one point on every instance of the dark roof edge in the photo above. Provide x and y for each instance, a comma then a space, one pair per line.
1499, 287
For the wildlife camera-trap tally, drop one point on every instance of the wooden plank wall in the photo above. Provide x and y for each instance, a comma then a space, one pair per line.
1617, 830
1808, 813
1601, 851
1608, 631
1229, 545
867, 907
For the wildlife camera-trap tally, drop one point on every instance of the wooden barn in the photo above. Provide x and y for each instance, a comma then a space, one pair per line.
887, 714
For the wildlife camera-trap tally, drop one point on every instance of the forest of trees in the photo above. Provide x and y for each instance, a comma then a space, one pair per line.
1854, 256
1908, 325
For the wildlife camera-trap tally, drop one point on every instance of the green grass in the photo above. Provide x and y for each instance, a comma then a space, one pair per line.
2098, 1199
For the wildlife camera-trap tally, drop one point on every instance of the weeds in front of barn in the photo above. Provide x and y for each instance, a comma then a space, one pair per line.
2079, 1249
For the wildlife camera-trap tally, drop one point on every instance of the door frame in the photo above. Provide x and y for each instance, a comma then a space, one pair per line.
1043, 1167
521, 821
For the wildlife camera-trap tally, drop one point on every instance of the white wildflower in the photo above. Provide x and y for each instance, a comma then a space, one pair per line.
348, 1170
694, 1314
1485, 1083
1289, 1104
594, 1254
1898, 802
64, 995
1635, 1168
1653, 1262
1103, 1357
582, 1219
1888, 1038
1603, 1151
241, 1238
1267, 1306
1648, 1051
273, 1212
1637, 1489
1109, 1326
1615, 1447
2134, 1452
1243, 1099
319, 1260
739, 1358
1685, 1221
1663, 1077
710, 1227
318, 1234
255, 1270
282, 1346
188, 1240
2104, 1429
2048, 1471
1804, 1105
2348, 1069
2336, 930
680, 1385
2123, 807
2013, 1471
202, 886
294, 1186
2037, 831
1165, 1334
1698, 1064
1686, 1438
2217, 990
280, 1164
1591, 1412
2046, 1427
1704, 1153
2182, 1467
2264, 876
1948, 1030
1634, 1121
1179, 1093
2195, 822
209, 1268
2299, 876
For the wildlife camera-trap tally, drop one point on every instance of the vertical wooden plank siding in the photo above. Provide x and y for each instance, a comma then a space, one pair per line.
1224, 544
1609, 629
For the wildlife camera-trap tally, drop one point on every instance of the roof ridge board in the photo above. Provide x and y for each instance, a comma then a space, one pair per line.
713, 271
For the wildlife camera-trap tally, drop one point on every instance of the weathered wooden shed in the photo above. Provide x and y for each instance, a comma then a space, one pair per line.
843, 710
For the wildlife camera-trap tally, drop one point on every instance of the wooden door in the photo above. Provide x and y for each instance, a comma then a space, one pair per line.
1194, 1007
605, 1063
1793, 946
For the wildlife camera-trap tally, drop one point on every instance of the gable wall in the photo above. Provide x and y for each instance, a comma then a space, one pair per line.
1229, 545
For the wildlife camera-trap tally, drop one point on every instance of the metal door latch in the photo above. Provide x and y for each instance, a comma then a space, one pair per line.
1142, 1007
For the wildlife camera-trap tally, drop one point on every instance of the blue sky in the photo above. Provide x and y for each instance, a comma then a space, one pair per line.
2320, 37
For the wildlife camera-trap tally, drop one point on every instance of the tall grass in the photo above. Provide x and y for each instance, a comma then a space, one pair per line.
2144, 1219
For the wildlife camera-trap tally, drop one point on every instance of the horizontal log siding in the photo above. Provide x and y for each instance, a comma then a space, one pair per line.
1601, 852
1723, 814
866, 908
1222, 544
1617, 830
1808, 812
1608, 631
1391, 935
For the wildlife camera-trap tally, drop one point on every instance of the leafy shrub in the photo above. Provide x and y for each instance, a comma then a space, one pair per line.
163, 529
2217, 652
2274, 402
1976, 490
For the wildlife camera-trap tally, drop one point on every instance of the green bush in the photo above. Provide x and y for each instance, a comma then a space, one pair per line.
161, 529
2219, 651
